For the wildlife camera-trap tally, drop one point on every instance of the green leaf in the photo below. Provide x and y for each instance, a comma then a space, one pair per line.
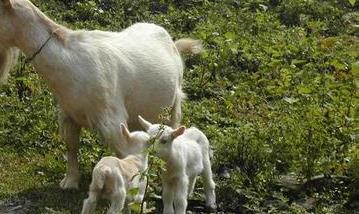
133, 191
230, 35
135, 207
355, 69
298, 62
304, 90
356, 83
290, 100
352, 2
338, 65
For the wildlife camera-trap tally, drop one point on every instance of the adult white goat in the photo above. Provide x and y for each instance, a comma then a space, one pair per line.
100, 79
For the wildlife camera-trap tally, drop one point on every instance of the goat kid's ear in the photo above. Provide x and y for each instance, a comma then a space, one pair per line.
179, 131
7, 3
144, 123
125, 132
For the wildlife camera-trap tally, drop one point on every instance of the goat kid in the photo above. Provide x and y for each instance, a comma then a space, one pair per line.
186, 153
113, 177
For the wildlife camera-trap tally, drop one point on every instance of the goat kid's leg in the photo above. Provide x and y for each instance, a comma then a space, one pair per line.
192, 183
142, 190
181, 193
126, 208
167, 197
70, 132
89, 205
209, 185
117, 201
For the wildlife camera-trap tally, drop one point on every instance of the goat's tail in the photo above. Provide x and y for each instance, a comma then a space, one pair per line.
188, 45
99, 176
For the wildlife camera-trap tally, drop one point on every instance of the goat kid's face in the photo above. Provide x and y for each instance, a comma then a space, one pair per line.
169, 134
165, 134
164, 147
136, 142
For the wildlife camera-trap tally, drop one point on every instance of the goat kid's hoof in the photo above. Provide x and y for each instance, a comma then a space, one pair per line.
70, 182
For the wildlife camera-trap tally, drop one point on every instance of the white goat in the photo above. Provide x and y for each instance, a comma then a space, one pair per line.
186, 153
113, 177
100, 79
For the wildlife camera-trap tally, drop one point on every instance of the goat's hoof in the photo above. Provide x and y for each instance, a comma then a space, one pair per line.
112, 212
70, 182
211, 208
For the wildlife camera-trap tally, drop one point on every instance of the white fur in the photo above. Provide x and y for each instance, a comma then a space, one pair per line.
113, 177
8, 56
187, 155
100, 79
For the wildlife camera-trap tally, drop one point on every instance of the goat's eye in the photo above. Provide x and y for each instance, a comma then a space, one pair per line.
165, 141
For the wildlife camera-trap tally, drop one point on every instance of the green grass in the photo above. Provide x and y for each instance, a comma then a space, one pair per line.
276, 92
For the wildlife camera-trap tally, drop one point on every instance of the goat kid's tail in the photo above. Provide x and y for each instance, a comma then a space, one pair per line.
188, 45
99, 176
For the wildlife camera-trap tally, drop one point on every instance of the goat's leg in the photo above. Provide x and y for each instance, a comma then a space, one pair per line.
167, 197
181, 194
192, 183
209, 185
89, 205
126, 208
70, 132
117, 201
142, 190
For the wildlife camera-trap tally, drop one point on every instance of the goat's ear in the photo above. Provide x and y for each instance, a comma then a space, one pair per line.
179, 131
144, 123
7, 3
125, 132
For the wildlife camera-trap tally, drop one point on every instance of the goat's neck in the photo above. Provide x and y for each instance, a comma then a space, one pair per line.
33, 35
50, 59
32, 42
168, 153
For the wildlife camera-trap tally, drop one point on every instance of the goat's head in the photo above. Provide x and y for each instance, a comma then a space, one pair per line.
135, 142
15, 15
7, 22
163, 133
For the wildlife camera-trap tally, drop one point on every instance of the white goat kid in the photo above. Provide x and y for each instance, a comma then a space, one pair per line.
186, 153
113, 177
100, 79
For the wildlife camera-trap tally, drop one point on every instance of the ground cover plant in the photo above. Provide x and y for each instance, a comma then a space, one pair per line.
275, 91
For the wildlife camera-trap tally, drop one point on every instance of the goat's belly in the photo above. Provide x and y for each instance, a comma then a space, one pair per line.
85, 111
150, 103
195, 169
81, 116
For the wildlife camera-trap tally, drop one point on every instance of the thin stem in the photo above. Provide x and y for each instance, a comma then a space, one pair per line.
147, 183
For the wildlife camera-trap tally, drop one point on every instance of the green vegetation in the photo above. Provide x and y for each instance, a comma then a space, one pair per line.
276, 92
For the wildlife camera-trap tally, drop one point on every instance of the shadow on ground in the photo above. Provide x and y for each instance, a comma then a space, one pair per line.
48, 199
